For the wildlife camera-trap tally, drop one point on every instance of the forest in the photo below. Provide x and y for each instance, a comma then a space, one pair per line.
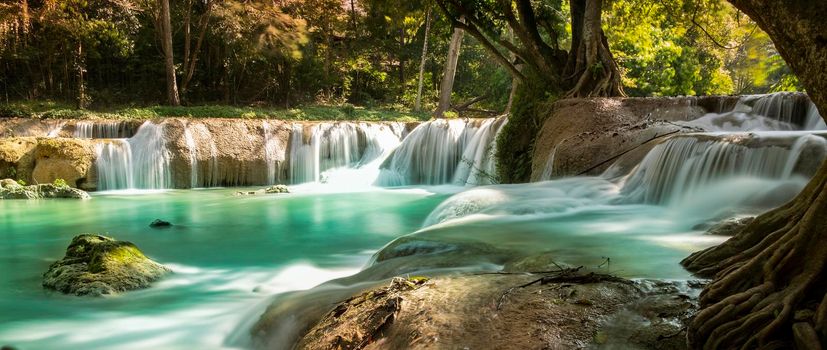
100, 54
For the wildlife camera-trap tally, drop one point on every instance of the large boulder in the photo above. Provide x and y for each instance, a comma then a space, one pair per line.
491, 311
17, 157
585, 136
97, 265
69, 159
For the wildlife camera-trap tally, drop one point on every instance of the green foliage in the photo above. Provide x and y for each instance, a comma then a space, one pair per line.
32, 109
515, 144
60, 183
675, 48
21, 182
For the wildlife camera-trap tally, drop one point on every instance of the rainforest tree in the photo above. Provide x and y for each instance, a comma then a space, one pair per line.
770, 286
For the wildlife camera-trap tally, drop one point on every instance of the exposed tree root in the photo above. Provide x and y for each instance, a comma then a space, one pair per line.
768, 277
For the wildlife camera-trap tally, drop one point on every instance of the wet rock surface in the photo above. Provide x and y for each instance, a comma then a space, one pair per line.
508, 311
10, 189
97, 265
158, 223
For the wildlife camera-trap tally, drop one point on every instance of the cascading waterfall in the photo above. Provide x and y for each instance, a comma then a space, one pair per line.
193, 152
317, 150
771, 112
270, 151
434, 152
685, 164
99, 130
478, 163
141, 162
114, 164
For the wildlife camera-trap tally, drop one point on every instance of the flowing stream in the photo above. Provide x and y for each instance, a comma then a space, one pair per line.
348, 215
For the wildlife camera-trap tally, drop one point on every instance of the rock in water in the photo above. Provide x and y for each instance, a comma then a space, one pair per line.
158, 223
97, 265
277, 189
8, 183
11, 190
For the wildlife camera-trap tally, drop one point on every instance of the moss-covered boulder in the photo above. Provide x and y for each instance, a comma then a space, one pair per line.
97, 265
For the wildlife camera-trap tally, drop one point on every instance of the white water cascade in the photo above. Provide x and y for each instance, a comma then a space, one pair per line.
317, 149
771, 112
106, 129
141, 162
271, 147
443, 151
686, 165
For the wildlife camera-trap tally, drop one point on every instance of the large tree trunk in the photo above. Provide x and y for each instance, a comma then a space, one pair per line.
447, 85
770, 287
591, 69
420, 85
166, 45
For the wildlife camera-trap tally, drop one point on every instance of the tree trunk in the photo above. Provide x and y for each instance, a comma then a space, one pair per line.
591, 69
80, 67
770, 286
191, 56
447, 85
422, 61
166, 46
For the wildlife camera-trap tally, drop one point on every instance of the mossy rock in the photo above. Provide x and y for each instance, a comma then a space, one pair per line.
41, 191
97, 265
277, 189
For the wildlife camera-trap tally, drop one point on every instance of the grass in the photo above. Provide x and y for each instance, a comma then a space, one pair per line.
56, 110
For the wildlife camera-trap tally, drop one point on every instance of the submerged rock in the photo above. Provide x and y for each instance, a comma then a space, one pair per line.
158, 223
97, 265
12, 190
277, 189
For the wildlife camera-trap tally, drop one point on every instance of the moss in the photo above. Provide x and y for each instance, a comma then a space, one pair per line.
114, 254
515, 144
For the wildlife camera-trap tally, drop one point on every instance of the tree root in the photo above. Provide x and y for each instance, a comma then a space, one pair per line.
768, 274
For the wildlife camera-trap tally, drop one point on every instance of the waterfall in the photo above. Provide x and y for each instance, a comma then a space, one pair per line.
685, 164
55, 129
435, 153
548, 168
813, 121
318, 149
99, 130
141, 162
114, 164
478, 163
193, 151
270, 151
777, 111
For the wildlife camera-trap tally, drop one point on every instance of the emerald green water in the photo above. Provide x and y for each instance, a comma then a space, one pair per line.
232, 254
229, 253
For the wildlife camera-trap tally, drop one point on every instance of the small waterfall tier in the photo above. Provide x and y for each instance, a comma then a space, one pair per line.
103, 129
689, 164
316, 149
445, 151
777, 111
140, 162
